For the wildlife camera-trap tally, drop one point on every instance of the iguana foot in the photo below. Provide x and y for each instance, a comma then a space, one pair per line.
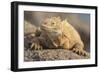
81, 52
36, 46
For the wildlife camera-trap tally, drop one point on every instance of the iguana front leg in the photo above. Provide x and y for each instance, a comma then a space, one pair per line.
35, 45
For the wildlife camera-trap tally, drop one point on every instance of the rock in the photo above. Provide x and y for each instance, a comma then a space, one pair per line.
51, 55
29, 28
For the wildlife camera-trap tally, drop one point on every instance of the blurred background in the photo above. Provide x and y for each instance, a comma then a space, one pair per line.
80, 21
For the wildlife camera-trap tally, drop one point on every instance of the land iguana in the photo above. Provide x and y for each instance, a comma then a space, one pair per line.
55, 33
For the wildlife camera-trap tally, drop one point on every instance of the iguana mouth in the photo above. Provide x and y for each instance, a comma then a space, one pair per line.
44, 27
53, 30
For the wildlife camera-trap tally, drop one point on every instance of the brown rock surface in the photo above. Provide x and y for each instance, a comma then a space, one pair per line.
51, 55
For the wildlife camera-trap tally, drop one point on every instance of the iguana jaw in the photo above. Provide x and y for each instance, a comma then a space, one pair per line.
52, 33
49, 29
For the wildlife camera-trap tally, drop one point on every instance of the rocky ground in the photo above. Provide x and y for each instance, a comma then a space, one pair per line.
50, 55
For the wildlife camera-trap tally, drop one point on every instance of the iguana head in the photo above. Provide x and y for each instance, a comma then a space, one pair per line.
52, 28
52, 25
